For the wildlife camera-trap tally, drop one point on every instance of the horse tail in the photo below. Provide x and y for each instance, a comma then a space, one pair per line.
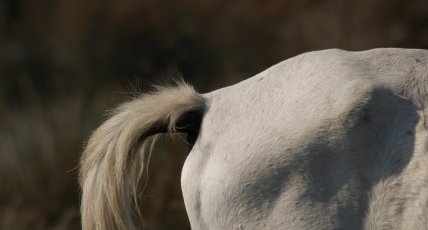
113, 160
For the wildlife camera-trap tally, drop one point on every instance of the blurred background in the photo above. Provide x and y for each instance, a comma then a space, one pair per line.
64, 62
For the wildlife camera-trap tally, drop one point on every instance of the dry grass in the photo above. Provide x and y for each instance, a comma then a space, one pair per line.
39, 150
40, 147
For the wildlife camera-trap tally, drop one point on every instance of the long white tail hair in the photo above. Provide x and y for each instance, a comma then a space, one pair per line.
114, 158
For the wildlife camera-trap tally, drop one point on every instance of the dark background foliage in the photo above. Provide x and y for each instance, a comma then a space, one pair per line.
64, 62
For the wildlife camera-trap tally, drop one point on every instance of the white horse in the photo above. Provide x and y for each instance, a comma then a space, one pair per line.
326, 140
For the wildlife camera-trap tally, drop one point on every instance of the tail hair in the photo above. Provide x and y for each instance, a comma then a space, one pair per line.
113, 160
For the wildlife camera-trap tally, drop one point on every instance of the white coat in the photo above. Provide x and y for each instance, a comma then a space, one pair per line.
326, 140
